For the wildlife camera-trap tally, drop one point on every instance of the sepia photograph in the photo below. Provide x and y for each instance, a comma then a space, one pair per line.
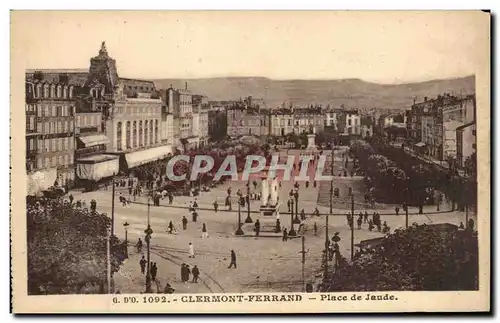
203, 159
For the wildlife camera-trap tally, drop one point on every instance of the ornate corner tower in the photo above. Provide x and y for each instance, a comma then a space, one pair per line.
103, 71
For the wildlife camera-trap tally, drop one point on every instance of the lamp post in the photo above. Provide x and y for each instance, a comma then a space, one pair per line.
125, 225
296, 219
249, 218
148, 233
239, 231
292, 232
352, 227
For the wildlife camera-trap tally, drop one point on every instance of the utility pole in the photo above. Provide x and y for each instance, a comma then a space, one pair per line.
108, 262
292, 232
331, 184
113, 206
303, 263
466, 216
148, 233
352, 227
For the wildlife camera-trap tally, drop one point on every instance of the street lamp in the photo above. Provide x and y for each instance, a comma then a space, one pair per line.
148, 233
292, 232
239, 232
125, 225
296, 220
248, 219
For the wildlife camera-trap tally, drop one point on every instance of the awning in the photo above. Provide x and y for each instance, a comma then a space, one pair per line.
420, 144
138, 158
96, 167
94, 140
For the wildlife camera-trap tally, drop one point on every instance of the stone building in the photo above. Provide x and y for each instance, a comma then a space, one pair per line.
247, 121
466, 142
432, 124
50, 135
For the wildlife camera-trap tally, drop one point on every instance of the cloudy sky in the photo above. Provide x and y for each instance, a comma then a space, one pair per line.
386, 47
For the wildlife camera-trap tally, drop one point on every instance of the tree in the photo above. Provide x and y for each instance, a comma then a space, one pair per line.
423, 257
67, 248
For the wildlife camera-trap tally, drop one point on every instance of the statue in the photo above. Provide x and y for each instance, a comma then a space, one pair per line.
103, 50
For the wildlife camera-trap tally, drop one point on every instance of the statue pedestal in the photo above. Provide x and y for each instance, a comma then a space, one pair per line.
311, 141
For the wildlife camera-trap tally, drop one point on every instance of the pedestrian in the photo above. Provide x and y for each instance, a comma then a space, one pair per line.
142, 263
302, 214
188, 272
184, 223
191, 250
360, 221
366, 217
289, 204
370, 225
277, 229
196, 273
195, 204
257, 227
170, 198
315, 184
216, 206
315, 229
154, 271
195, 216
71, 198
397, 210
285, 234
204, 233
183, 272
233, 259
170, 227
461, 226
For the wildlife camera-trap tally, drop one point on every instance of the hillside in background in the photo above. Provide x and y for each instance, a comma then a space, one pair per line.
353, 93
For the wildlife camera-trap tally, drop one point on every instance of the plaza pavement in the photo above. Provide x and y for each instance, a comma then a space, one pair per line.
264, 264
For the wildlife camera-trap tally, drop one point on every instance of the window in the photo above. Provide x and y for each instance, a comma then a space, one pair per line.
127, 135
151, 132
61, 160
46, 91
119, 136
52, 91
349, 122
59, 91
53, 161
65, 92
140, 134
156, 131
70, 92
146, 127
134, 134
38, 91
46, 162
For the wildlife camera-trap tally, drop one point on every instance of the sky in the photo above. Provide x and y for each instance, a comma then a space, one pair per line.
383, 47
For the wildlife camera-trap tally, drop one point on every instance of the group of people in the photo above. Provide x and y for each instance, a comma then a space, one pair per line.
372, 223
153, 268
186, 272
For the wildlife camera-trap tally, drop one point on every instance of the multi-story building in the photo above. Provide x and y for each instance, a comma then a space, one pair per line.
133, 116
367, 124
50, 137
308, 119
432, 124
331, 118
466, 142
200, 114
92, 162
282, 122
217, 123
243, 120
349, 123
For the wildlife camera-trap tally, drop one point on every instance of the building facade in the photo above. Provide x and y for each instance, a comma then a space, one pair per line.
217, 123
50, 135
432, 124
243, 121
466, 143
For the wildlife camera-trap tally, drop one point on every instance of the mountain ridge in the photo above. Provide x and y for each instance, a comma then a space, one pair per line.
352, 93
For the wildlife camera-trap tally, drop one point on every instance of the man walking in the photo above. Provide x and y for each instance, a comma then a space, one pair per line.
154, 271
196, 273
257, 228
233, 260
184, 223
204, 233
142, 263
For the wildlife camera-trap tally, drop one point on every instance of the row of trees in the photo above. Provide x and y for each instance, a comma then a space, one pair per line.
420, 258
389, 182
67, 251
460, 190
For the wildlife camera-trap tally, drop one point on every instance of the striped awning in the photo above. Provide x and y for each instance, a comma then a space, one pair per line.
94, 140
